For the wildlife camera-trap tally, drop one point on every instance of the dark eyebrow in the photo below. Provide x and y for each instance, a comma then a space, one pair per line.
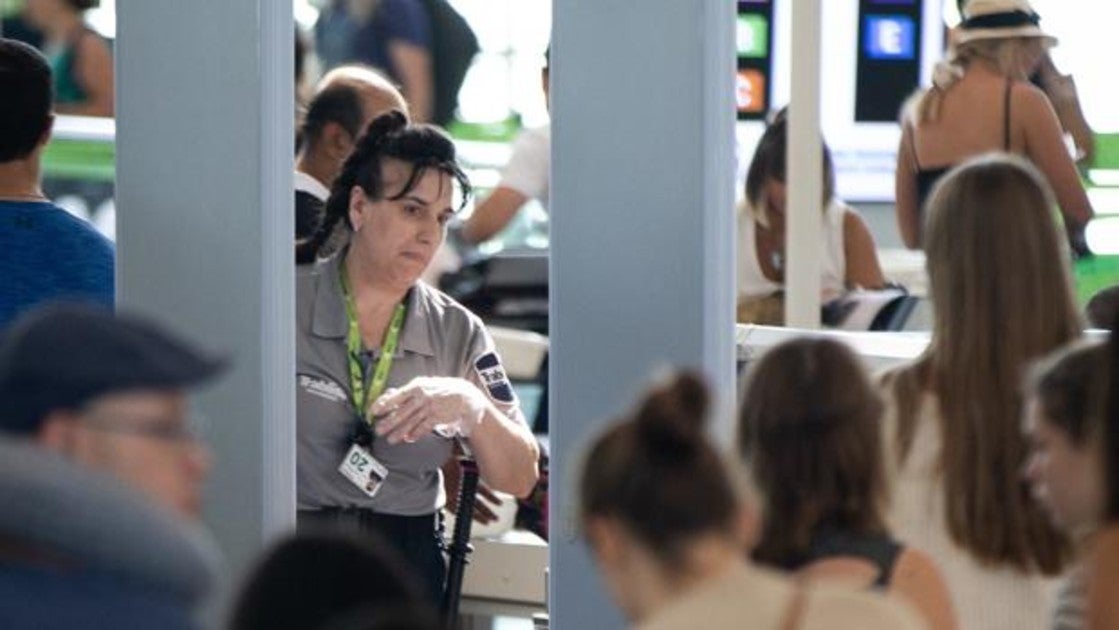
416, 199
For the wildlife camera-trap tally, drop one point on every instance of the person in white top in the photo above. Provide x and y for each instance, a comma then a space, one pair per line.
848, 256
526, 176
669, 528
1000, 284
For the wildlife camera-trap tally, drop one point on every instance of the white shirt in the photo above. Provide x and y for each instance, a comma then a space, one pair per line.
985, 597
311, 186
527, 171
752, 283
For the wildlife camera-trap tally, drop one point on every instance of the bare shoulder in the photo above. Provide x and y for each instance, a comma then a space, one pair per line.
918, 581
916, 568
853, 222
1028, 98
838, 608
90, 43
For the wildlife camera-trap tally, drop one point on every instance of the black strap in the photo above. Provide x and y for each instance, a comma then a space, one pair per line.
1007, 19
912, 131
878, 549
886, 565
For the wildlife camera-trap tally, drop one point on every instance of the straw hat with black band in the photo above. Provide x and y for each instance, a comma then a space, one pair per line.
999, 19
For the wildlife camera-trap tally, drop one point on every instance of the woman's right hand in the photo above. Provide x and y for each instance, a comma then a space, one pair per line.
428, 403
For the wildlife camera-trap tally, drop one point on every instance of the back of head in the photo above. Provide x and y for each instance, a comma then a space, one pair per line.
1000, 283
1070, 385
61, 356
656, 474
808, 430
768, 164
1103, 309
996, 262
377, 93
339, 104
25, 109
308, 580
388, 137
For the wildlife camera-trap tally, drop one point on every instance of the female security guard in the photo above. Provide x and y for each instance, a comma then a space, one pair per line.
390, 370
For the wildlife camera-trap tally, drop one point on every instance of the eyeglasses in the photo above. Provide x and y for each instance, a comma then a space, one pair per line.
172, 429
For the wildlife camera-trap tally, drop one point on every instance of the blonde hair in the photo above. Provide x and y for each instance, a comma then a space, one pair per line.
1005, 55
1002, 297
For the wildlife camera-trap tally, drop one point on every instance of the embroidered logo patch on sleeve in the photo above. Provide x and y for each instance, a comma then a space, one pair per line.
493, 377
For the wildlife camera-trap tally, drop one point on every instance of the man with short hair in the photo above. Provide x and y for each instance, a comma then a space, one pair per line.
108, 392
345, 101
45, 253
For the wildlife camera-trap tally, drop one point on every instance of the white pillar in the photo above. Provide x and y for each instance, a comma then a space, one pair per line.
804, 172
642, 229
205, 214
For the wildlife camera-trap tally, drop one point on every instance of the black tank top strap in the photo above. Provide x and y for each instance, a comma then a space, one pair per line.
879, 549
1006, 116
908, 128
889, 553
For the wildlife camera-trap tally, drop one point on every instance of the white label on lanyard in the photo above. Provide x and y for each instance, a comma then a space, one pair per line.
363, 470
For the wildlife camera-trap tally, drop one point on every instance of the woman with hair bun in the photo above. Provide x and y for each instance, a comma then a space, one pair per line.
669, 528
390, 370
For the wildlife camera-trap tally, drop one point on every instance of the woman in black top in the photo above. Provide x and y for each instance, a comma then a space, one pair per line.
981, 101
809, 433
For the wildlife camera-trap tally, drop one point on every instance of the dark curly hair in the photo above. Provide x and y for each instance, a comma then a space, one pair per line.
424, 147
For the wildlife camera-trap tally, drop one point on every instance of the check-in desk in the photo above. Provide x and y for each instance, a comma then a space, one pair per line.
878, 349
505, 583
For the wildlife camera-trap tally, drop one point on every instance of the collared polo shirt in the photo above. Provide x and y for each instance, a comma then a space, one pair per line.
440, 338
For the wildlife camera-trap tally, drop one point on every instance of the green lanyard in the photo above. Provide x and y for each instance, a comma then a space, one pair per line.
361, 399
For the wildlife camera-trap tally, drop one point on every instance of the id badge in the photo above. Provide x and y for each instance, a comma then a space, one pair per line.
363, 470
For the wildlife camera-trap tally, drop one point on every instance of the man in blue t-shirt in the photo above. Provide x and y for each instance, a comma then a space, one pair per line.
46, 254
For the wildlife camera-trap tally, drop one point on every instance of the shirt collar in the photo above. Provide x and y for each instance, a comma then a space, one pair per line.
329, 317
311, 186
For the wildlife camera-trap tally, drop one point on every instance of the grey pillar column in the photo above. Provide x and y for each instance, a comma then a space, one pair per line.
642, 269
205, 224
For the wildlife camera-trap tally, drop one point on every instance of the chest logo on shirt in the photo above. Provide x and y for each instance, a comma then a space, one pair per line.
493, 377
323, 388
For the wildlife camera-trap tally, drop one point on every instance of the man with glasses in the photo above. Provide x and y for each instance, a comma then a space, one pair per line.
108, 392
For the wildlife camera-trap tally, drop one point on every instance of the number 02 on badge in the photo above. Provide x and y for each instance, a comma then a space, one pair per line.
363, 470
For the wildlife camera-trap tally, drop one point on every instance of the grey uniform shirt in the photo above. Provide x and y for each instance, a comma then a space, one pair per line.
440, 338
